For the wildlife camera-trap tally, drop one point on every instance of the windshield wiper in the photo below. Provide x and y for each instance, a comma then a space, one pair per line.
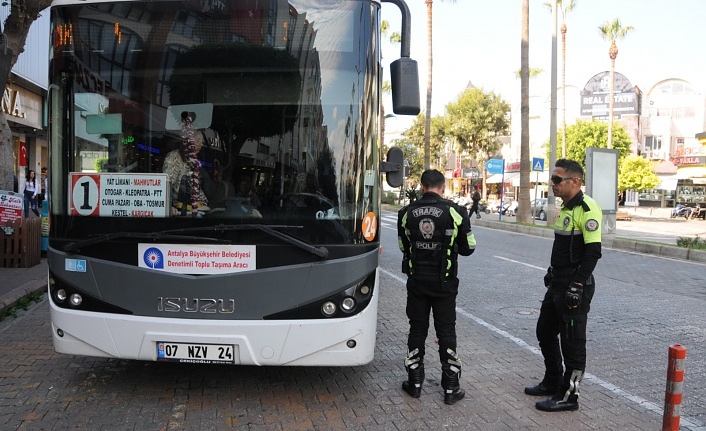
97, 239
269, 229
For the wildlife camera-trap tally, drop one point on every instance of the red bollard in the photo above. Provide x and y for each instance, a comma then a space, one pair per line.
675, 384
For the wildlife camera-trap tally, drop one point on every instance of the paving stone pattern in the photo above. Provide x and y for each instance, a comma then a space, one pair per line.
642, 306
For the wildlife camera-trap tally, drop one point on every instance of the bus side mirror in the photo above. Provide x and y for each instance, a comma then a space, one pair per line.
393, 167
405, 86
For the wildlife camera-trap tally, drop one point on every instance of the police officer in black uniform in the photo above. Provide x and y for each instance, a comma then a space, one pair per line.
561, 327
432, 232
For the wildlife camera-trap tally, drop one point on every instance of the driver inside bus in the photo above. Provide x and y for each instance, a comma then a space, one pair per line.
179, 169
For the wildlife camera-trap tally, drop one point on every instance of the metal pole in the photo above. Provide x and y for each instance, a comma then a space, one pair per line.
536, 183
551, 201
502, 192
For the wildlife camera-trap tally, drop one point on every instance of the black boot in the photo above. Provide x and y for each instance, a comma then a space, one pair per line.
413, 386
450, 376
548, 386
452, 387
567, 399
415, 374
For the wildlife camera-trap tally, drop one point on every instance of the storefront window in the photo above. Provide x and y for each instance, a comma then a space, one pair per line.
691, 194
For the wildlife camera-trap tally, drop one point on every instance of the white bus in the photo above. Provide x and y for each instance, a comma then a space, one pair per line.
231, 212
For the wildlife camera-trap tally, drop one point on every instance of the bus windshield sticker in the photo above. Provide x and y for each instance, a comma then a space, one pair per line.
75, 265
118, 195
196, 259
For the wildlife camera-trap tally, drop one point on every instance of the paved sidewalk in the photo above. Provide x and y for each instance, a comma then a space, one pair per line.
18, 283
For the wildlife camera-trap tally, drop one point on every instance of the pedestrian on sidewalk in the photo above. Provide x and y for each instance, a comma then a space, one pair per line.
475, 198
432, 232
44, 184
561, 326
30, 193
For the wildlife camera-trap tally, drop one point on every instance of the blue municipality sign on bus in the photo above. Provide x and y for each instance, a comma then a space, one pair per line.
538, 164
494, 166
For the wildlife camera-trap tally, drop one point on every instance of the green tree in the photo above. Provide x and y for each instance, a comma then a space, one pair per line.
584, 134
612, 31
475, 122
437, 138
635, 173
22, 14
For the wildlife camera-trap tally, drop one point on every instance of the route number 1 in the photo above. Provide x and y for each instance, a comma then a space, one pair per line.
84, 195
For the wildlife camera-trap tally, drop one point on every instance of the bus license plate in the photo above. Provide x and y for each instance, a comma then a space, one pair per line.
196, 353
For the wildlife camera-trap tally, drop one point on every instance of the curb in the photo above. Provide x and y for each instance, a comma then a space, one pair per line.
619, 243
14, 297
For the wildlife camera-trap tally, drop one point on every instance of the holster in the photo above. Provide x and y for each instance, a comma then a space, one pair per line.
405, 265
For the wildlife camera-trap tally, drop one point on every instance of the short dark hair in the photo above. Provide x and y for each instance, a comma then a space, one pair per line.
432, 179
571, 166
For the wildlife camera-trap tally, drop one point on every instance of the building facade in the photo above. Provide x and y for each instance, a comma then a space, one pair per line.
24, 101
673, 120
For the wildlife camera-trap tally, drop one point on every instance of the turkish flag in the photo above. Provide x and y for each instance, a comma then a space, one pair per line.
23, 154
247, 20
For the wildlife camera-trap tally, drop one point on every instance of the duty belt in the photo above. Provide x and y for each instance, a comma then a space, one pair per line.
563, 272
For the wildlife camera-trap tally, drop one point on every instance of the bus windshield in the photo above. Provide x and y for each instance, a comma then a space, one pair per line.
185, 116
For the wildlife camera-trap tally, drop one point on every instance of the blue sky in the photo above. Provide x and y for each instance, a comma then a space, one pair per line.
479, 41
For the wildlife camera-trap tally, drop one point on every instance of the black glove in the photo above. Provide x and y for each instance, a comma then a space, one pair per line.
548, 277
574, 295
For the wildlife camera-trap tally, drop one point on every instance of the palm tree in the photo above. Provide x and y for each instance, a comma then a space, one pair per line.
564, 8
427, 124
523, 215
394, 38
612, 31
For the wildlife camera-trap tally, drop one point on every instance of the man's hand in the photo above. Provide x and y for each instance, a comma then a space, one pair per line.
574, 295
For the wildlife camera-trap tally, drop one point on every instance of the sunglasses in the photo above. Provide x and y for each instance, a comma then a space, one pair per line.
556, 179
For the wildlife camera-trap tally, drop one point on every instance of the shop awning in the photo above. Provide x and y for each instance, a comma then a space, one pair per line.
494, 179
498, 178
668, 182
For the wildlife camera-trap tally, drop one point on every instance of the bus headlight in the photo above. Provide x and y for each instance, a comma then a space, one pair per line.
75, 300
348, 304
364, 289
328, 308
61, 295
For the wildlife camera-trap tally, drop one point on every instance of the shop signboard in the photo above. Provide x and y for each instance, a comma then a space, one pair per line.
595, 97
11, 205
494, 166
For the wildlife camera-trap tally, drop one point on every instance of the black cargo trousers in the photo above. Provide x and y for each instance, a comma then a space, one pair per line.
561, 330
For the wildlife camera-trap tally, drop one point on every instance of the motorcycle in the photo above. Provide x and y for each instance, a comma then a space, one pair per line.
508, 207
511, 208
681, 211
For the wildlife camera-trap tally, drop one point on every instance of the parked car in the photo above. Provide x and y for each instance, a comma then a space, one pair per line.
539, 209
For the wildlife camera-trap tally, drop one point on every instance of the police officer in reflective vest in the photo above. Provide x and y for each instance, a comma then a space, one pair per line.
432, 232
561, 327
